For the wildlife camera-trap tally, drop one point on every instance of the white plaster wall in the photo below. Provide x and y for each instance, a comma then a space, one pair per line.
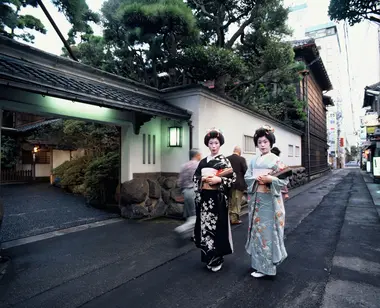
173, 157
135, 142
59, 157
188, 100
42, 170
236, 123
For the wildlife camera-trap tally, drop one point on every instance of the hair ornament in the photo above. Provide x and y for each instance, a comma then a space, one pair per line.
268, 128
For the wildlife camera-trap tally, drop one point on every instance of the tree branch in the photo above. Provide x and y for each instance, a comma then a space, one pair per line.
200, 5
240, 31
234, 19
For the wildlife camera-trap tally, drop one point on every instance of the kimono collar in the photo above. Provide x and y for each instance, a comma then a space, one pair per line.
209, 157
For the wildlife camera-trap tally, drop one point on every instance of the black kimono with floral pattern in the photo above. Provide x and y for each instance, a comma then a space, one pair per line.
212, 232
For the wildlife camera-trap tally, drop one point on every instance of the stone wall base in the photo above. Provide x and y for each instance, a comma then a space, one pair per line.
157, 194
151, 195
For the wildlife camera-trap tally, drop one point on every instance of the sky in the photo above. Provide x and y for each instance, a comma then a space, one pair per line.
363, 47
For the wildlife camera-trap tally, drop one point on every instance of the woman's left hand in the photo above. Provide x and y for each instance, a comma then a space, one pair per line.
213, 180
266, 179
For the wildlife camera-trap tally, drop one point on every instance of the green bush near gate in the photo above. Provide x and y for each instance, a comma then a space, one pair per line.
101, 179
96, 178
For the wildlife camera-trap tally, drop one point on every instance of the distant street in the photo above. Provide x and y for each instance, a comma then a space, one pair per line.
332, 238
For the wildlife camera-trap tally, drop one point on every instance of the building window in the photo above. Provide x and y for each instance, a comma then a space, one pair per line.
154, 149
298, 153
249, 145
27, 157
43, 157
290, 150
144, 148
149, 149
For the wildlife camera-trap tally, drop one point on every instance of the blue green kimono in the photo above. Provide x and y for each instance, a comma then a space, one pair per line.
265, 242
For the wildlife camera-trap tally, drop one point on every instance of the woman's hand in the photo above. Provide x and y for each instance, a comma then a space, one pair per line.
213, 180
265, 179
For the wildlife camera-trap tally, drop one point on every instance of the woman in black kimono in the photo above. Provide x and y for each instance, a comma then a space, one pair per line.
212, 232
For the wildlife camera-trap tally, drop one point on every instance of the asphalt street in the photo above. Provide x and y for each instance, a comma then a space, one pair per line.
31, 209
332, 238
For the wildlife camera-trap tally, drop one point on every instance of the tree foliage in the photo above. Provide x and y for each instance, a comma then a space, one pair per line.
10, 151
96, 174
16, 25
355, 11
95, 138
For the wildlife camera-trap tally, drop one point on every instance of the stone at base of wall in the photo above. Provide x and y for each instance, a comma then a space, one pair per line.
151, 196
157, 194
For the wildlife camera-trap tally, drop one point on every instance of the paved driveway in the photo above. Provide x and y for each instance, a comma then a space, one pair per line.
32, 209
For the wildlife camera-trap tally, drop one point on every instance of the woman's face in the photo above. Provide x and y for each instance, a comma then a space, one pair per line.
214, 146
264, 145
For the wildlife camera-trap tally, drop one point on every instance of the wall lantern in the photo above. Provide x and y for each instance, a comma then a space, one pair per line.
175, 136
35, 149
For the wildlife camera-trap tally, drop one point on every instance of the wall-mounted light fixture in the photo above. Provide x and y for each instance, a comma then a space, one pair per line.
175, 136
35, 149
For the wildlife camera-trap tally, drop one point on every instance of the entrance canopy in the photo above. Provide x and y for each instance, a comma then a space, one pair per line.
28, 69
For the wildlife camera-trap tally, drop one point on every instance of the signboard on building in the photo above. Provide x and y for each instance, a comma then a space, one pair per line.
363, 133
371, 130
370, 119
366, 143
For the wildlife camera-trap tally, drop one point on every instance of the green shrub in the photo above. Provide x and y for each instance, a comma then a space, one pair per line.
60, 170
101, 179
72, 172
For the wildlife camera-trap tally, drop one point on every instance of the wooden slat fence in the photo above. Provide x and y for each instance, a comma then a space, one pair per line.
12, 176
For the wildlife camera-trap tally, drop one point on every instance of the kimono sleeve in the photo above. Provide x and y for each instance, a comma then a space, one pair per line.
197, 178
278, 184
227, 182
248, 176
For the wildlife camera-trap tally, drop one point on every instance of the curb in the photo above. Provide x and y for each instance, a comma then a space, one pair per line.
367, 178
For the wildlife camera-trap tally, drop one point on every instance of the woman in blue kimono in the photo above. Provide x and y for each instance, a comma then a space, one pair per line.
265, 242
213, 180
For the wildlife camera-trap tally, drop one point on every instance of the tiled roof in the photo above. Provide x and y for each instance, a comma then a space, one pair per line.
35, 125
54, 82
307, 49
369, 96
374, 87
328, 101
302, 43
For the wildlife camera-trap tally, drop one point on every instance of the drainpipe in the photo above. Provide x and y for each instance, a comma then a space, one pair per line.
190, 134
308, 130
306, 99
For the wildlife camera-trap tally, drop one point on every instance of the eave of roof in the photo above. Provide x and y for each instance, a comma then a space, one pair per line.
308, 50
370, 93
35, 125
328, 101
60, 81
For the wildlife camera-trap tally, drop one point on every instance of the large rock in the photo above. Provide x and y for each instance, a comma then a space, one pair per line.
159, 209
165, 194
176, 195
154, 189
170, 183
134, 211
134, 191
175, 209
